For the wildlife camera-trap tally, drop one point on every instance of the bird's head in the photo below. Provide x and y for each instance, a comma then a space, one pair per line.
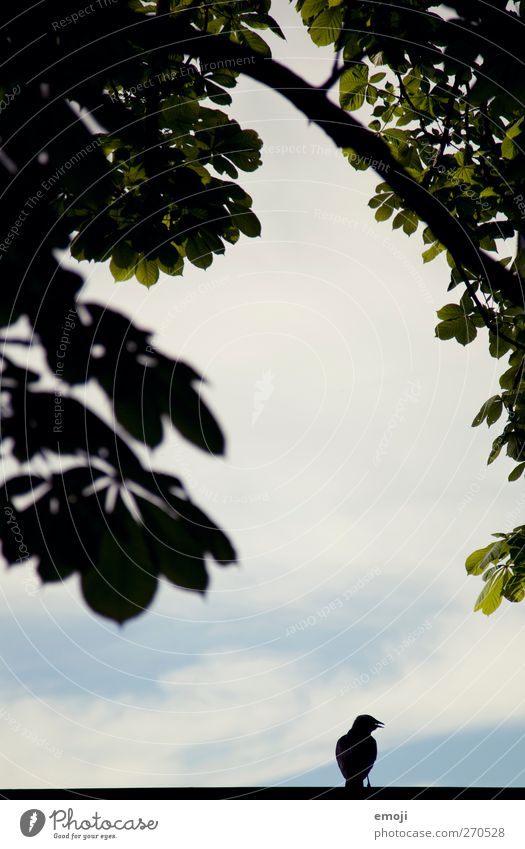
366, 724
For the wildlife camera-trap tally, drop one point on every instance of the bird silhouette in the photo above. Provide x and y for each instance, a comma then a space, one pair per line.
356, 751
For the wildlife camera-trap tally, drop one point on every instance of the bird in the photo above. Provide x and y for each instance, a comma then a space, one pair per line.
356, 751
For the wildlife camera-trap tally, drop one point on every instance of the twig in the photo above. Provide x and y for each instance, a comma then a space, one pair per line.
336, 72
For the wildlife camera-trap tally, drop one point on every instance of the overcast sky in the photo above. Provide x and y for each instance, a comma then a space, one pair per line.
353, 487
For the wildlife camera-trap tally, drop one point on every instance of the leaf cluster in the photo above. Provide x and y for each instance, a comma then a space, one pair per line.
449, 104
143, 189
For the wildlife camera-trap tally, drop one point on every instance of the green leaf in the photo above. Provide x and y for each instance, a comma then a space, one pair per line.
311, 8
119, 273
516, 445
461, 329
326, 27
170, 261
433, 251
445, 331
517, 472
483, 413
198, 251
411, 222
498, 347
147, 272
352, 86
514, 589
123, 255
477, 562
406, 219
497, 445
246, 221
494, 412
508, 149
490, 597
180, 114
450, 311
384, 212
508, 377
465, 174
254, 42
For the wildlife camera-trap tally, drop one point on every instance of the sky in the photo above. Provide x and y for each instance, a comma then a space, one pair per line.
353, 487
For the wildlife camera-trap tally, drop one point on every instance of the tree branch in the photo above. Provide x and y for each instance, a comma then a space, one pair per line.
346, 131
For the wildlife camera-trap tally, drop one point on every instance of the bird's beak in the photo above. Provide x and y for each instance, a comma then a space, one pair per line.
379, 724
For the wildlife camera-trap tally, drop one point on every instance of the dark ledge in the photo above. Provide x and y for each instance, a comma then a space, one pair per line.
291, 793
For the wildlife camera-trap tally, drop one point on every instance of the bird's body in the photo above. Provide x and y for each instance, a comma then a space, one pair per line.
356, 751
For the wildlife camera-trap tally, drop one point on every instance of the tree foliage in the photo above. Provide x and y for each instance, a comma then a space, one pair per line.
150, 184
449, 106
138, 190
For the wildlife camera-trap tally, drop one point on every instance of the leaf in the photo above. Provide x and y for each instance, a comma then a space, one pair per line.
508, 377
352, 86
411, 222
265, 21
180, 114
254, 42
490, 597
311, 8
483, 413
188, 412
445, 331
245, 219
121, 584
497, 445
477, 562
466, 331
407, 220
494, 412
461, 329
217, 94
147, 272
198, 252
326, 27
384, 212
433, 251
516, 445
465, 174
123, 255
121, 274
138, 414
498, 347
178, 555
450, 311
170, 260
509, 150
517, 472
514, 589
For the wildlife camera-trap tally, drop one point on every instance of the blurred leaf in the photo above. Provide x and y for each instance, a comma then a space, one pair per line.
122, 582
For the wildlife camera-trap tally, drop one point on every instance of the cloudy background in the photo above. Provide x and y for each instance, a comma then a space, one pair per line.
353, 488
